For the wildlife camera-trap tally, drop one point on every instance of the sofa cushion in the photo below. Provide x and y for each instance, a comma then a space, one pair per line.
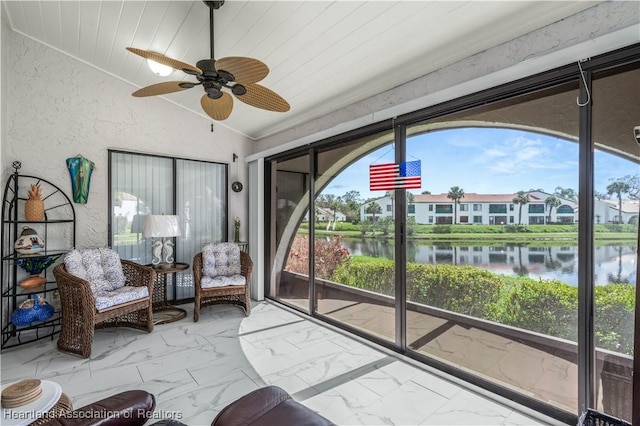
220, 259
107, 299
131, 408
268, 406
101, 267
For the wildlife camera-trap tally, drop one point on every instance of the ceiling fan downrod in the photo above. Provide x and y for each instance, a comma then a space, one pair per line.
213, 5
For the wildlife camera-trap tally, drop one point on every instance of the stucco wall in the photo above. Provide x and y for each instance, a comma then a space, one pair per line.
3, 101
57, 107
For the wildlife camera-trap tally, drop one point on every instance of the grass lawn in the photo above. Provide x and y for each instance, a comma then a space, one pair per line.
607, 237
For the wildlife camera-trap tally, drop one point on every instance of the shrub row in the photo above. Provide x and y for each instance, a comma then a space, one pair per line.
476, 229
547, 307
495, 229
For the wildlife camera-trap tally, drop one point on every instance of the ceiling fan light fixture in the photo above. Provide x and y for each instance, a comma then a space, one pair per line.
159, 69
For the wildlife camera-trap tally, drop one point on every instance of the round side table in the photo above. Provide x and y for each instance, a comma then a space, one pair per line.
167, 312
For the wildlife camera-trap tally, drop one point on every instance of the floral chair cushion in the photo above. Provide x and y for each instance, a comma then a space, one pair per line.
222, 281
101, 267
220, 260
107, 299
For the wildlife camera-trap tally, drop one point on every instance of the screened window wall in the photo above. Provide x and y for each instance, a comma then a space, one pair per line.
500, 298
290, 243
509, 313
616, 208
145, 184
354, 229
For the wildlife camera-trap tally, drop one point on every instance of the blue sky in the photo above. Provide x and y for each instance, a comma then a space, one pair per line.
487, 160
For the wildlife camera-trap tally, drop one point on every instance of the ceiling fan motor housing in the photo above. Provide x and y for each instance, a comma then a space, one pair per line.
214, 4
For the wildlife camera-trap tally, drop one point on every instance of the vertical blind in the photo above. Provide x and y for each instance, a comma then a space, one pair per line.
145, 184
201, 200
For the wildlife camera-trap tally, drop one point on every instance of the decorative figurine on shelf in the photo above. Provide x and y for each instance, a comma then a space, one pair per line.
34, 265
29, 242
34, 206
31, 310
80, 170
236, 225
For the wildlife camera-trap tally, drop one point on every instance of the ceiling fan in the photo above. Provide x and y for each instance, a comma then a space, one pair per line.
236, 74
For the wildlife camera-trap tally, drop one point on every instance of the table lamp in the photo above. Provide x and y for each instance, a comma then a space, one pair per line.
162, 226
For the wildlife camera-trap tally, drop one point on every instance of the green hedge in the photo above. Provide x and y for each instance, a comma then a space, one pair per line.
481, 229
462, 289
614, 316
497, 229
547, 307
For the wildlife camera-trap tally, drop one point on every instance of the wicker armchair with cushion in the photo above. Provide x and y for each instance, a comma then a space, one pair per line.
99, 290
221, 273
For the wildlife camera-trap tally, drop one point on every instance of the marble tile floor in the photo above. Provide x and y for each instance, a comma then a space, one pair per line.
195, 369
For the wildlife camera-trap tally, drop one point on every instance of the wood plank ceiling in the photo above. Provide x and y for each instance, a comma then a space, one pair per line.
322, 55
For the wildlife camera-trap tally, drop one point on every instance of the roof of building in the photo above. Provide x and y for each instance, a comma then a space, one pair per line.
327, 210
628, 206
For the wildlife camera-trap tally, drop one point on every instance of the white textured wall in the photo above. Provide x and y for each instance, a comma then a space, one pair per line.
55, 107
4, 25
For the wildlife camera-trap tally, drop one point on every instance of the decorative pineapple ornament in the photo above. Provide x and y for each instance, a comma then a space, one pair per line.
34, 206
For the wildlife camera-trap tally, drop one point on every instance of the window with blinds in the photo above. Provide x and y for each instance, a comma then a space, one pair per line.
195, 191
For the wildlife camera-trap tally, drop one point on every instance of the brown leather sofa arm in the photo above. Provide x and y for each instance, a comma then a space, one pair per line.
268, 406
130, 408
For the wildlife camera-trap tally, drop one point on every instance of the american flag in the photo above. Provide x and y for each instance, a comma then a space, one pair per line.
390, 176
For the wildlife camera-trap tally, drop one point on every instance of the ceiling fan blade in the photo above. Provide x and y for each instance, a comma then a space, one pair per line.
244, 70
218, 109
261, 97
165, 60
159, 89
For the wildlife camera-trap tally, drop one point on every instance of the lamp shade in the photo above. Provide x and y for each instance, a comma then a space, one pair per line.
156, 226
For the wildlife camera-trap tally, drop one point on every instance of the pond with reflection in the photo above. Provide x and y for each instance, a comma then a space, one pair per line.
612, 263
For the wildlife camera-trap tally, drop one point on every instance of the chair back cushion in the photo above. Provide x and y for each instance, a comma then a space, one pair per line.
101, 267
220, 259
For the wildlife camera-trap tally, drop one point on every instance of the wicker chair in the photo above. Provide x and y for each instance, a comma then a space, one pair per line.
79, 314
232, 294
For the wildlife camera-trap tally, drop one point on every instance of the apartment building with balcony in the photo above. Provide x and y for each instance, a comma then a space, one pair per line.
480, 209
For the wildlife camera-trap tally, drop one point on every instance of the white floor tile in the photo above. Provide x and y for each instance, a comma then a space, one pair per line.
195, 369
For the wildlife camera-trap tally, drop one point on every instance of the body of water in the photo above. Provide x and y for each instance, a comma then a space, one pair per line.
615, 263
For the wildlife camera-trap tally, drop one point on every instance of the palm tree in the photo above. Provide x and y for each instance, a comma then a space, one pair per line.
566, 193
552, 202
618, 188
372, 209
456, 194
521, 199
